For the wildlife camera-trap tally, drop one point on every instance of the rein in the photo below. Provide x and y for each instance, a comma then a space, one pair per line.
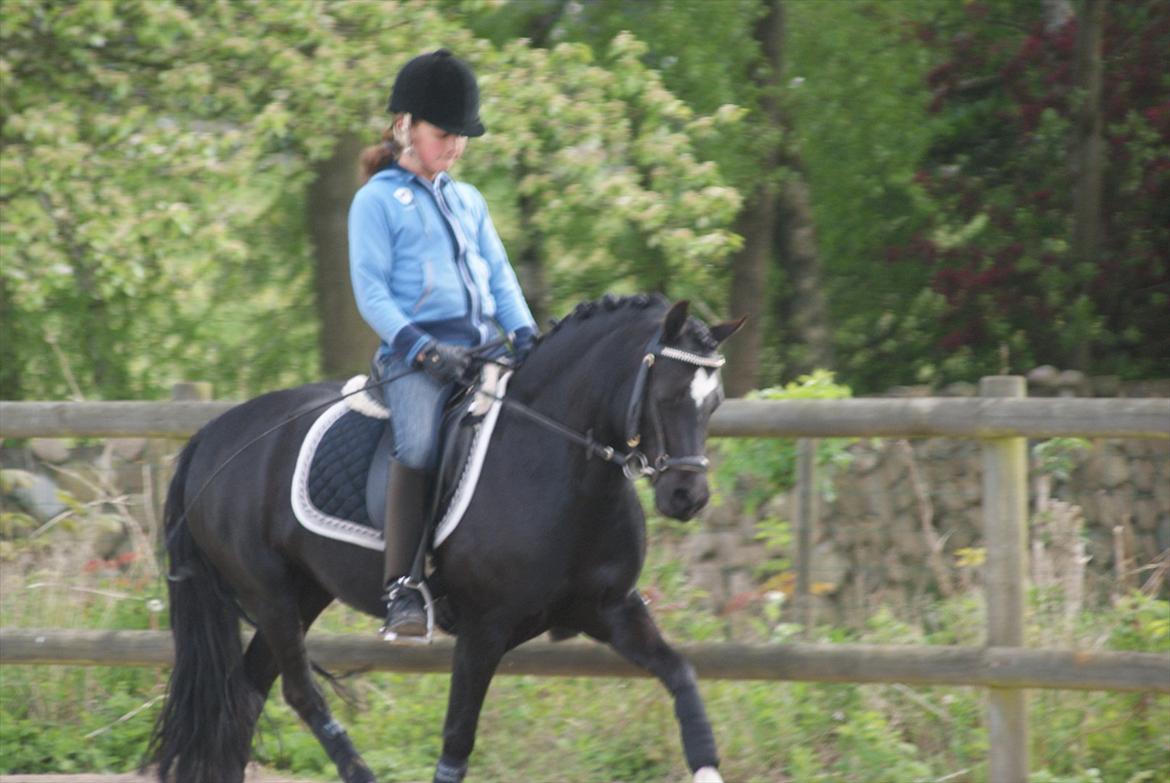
634, 463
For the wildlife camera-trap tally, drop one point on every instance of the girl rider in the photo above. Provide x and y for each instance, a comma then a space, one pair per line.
431, 277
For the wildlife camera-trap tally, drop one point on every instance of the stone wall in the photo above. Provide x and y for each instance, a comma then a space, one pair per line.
895, 525
898, 501
117, 484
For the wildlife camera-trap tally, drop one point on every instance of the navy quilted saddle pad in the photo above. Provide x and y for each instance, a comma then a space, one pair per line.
337, 474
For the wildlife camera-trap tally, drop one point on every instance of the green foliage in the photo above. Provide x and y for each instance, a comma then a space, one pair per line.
1133, 725
703, 52
156, 153
1143, 624
154, 156
578, 730
145, 148
856, 93
1057, 457
776, 537
592, 167
100, 708
756, 468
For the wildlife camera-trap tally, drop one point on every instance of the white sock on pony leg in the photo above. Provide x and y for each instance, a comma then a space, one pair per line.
708, 775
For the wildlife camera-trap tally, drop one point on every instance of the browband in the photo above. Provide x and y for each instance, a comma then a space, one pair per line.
692, 358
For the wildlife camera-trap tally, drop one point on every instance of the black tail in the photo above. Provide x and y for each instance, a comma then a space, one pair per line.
204, 732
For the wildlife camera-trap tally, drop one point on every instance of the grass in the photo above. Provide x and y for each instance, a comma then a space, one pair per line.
585, 730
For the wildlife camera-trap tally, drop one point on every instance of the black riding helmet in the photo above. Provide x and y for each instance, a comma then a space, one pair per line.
439, 88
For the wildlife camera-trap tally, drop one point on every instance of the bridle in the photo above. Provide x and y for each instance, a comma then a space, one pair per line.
655, 350
634, 462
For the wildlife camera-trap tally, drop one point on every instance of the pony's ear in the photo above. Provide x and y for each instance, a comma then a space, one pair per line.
676, 319
724, 330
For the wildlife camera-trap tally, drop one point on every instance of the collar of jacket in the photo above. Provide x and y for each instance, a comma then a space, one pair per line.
397, 172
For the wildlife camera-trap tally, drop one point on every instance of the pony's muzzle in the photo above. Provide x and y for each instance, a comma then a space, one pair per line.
682, 495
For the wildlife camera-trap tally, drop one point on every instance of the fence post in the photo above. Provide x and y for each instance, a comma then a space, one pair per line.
806, 517
1005, 536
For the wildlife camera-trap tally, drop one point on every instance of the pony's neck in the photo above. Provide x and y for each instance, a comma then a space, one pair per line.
583, 377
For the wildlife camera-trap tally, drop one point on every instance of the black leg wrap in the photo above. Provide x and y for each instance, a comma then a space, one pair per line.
450, 771
697, 739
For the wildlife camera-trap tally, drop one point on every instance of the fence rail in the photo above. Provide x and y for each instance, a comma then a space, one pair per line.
999, 667
925, 417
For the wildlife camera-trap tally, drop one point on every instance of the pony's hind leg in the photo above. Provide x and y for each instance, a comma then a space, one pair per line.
628, 627
260, 665
281, 627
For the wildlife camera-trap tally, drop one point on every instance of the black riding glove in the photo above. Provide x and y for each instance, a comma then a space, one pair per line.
445, 362
522, 342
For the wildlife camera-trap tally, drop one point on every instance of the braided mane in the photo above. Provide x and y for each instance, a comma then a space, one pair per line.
609, 303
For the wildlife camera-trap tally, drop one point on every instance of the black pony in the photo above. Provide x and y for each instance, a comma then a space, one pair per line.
554, 539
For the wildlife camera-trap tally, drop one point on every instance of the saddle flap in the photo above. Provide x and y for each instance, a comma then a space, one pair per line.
378, 475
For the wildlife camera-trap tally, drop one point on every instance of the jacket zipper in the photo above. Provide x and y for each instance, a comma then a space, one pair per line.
461, 263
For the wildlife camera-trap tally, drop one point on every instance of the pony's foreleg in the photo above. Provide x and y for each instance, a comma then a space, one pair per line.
632, 632
286, 642
478, 651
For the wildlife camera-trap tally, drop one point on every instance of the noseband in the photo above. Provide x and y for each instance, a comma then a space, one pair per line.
635, 463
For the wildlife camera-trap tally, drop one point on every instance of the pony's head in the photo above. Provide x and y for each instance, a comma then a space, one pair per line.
677, 389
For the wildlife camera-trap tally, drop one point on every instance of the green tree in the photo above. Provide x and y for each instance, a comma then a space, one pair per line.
710, 55
834, 99
152, 152
156, 158
857, 99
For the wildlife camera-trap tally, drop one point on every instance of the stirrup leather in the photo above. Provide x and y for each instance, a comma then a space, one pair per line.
396, 587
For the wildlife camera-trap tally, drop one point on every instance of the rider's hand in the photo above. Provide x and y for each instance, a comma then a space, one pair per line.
522, 342
445, 362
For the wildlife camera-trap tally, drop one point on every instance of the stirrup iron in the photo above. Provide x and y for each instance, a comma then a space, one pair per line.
407, 583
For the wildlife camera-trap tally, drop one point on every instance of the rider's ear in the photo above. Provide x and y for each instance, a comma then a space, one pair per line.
724, 330
676, 319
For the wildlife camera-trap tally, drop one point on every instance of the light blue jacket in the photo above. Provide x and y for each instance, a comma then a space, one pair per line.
426, 263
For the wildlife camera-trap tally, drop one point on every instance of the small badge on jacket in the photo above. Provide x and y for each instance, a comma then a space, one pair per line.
404, 195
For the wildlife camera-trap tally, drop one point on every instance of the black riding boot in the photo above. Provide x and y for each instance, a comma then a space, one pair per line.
405, 524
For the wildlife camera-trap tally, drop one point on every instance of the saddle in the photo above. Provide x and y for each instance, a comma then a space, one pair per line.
339, 485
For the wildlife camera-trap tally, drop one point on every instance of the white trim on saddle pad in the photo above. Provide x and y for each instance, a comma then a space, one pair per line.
339, 529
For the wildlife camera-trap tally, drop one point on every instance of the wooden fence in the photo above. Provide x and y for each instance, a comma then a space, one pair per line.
926, 417
1001, 418
998, 667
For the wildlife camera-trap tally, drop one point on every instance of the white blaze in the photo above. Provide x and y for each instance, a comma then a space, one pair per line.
703, 385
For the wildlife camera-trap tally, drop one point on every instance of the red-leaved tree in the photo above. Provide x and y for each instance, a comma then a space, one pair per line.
1001, 178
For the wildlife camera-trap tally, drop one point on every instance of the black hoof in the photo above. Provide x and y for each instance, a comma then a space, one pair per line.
357, 772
